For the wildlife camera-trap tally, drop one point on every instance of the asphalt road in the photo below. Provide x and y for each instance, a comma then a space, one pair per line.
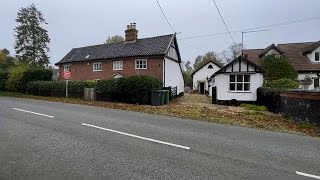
75, 140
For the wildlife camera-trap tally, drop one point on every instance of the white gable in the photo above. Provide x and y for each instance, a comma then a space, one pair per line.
312, 55
205, 72
173, 53
236, 66
272, 52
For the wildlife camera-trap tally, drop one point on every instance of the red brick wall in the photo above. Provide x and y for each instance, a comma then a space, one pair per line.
83, 71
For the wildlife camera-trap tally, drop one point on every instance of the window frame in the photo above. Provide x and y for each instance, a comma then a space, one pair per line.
136, 64
94, 65
237, 82
67, 65
315, 56
114, 65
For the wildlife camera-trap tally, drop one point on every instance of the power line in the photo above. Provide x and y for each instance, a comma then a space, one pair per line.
164, 15
223, 20
257, 27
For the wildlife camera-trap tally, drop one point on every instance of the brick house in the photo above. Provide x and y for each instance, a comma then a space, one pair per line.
155, 56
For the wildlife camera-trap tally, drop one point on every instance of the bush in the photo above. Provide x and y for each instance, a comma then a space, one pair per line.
3, 79
58, 88
282, 84
20, 76
91, 84
254, 107
16, 79
133, 89
278, 68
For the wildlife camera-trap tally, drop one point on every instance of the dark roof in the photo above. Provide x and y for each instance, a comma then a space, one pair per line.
142, 47
205, 65
311, 47
294, 52
222, 70
272, 46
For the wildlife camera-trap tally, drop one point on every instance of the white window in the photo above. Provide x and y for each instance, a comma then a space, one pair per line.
317, 58
97, 67
141, 64
67, 68
117, 65
239, 83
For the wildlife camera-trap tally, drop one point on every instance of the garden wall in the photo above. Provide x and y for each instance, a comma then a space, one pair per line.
301, 105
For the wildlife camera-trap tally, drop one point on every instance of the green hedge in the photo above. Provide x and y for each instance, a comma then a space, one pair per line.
20, 76
3, 79
132, 89
282, 84
58, 88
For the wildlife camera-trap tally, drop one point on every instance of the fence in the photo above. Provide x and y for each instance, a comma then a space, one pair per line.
298, 104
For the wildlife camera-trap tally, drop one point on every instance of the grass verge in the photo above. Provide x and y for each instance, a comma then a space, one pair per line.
218, 114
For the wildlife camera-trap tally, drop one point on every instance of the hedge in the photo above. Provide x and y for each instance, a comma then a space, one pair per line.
20, 76
58, 88
3, 79
282, 84
132, 89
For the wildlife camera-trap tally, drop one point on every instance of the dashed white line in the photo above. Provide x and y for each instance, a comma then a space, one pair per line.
308, 175
33, 112
139, 137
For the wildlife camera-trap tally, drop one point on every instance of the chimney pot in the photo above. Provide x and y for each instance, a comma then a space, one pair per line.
131, 34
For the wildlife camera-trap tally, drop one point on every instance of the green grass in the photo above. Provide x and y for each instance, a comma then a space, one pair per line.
254, 107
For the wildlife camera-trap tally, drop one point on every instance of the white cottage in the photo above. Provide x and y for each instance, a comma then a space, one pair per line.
304, 57
238, 80
202, 75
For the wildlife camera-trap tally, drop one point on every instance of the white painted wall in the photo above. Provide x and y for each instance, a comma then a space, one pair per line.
202, 74
272, 52
173, 75
312, 55
173, 53
301, 76
221, 81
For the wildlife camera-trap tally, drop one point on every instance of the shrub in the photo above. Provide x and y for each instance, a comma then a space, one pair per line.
278, 68
254, 107
38, 74
131, 89
91, 84
16, 79
3, 79
282, 84
58, 87
20, 76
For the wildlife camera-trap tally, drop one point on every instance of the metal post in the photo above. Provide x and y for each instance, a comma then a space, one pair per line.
242, 45
67, 88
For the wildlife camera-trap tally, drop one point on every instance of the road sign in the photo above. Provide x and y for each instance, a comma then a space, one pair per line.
67, 75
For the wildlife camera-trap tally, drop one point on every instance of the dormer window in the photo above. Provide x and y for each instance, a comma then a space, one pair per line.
316, 58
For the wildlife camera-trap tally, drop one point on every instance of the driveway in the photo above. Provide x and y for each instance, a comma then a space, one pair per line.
41, 138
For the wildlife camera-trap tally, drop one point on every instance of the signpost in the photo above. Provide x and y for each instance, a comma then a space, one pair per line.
66, 76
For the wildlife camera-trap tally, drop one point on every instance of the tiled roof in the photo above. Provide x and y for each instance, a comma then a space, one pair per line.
141, 47
294, 52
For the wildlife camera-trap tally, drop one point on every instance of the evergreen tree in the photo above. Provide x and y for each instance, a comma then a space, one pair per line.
31, 39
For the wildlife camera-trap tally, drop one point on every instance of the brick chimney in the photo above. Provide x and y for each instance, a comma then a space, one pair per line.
131, 32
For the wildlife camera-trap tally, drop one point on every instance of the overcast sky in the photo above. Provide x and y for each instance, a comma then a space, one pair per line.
75, 23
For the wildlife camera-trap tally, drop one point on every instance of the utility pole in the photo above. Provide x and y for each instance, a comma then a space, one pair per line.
247, 32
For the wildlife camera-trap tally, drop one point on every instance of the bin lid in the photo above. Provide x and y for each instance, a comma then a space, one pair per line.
158, 91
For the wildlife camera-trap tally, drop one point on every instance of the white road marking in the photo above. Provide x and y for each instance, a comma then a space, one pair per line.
33, 112
139, 137
308, 175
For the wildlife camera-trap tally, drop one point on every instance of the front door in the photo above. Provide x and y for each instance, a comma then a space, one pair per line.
202, 88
